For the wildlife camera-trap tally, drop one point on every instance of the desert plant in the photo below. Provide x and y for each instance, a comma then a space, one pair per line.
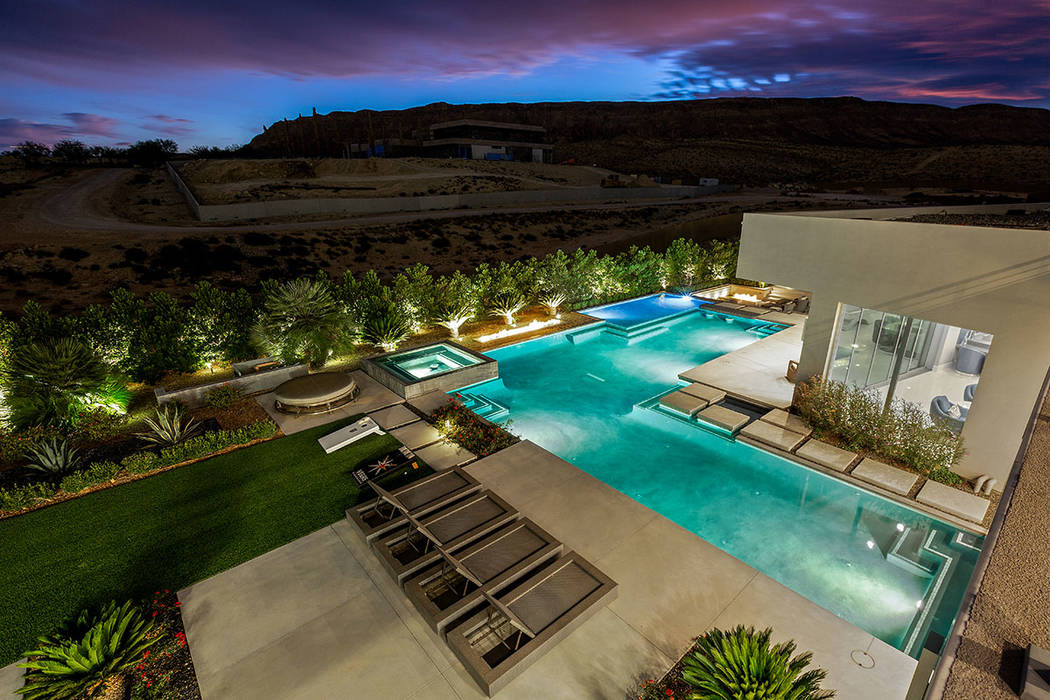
51, 380
384, 322
301, 321
507, 304
742, 664
454, 314
552, 301
222, 397
54, 457
168, 427
88, 654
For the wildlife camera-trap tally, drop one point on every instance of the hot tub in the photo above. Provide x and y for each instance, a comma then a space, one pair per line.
436, 367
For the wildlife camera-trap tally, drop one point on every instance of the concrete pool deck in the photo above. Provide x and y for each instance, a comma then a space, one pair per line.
756, 371
320, 618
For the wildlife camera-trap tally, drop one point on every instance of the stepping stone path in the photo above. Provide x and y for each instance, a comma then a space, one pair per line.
827, 455
788, 421
967, 506
772, 435
683, 403
725, 418
394, 417
445, 455
705, 392
889, 478
416, 435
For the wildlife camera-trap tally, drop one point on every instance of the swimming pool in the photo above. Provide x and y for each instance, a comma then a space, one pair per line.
428, 361
634, 312
886, 568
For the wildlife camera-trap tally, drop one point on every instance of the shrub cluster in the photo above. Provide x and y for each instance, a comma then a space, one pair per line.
20, 497
222, 397
144, 338
468, 430
905, 433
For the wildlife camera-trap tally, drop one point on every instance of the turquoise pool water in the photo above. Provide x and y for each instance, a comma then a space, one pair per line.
428, 361
887, 569
643, 309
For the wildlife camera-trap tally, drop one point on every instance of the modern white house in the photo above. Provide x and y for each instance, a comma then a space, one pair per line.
923, 311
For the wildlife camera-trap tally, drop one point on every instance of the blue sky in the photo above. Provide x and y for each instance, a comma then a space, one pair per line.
214, 73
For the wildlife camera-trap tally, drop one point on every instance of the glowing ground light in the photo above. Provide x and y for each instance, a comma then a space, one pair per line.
871, 544
508, 332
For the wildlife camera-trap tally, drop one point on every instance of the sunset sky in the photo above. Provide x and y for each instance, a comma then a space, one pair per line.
215, 72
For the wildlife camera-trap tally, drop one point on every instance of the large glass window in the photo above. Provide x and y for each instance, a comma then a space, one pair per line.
909, 358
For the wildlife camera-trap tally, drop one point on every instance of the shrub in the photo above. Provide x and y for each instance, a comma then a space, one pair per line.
468, 430
905, 433
140, 463
386, 329
223, 396
98, 473
742, 664
16, 498
54, 458
13, 445
96, 424
301, 321
51, 380
87, 652
168, 428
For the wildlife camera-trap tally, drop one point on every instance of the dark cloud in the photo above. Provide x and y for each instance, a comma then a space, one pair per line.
81, 124
937, 50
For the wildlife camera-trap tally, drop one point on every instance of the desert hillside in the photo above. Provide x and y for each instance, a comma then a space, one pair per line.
836, 141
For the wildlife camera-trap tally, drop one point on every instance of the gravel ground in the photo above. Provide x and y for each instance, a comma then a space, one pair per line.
1036, 220
1012, 608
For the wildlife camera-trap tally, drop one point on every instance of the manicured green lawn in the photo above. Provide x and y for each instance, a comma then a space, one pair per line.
170, 530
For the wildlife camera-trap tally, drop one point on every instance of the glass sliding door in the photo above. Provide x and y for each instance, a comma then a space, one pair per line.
871, 344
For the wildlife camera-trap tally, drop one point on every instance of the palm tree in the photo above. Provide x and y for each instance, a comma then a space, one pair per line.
301, 321
507, 304
743, 665
51, 379
454, 314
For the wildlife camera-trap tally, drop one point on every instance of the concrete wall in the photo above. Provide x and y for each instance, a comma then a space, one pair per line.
988, 279
187, 194
248, 384
382, 205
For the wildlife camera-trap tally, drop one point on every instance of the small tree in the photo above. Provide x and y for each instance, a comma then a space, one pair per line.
301, 321
151, 153
51, 381
71, 151
507, 304
31, 153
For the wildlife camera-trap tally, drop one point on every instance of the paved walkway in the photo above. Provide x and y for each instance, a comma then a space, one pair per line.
755, 372
319, 618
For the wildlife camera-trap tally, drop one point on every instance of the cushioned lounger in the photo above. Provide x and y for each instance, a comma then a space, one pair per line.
380, 515
410, 548
454, 586
516, 627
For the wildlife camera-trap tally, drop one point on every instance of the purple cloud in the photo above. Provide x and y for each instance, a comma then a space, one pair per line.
168, 125
81, 124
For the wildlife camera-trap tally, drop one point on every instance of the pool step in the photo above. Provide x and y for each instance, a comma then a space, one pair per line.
487, 408
636, 335
765, 330
589, 333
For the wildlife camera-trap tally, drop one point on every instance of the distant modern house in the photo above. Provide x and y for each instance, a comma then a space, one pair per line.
483, 140
464, 138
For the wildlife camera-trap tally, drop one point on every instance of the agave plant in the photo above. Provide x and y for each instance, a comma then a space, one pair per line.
507, 304
53, 457
88, 653
455, 314
743, 664
552, 301
168, 428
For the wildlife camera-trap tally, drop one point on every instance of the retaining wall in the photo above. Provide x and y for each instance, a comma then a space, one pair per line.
194, 396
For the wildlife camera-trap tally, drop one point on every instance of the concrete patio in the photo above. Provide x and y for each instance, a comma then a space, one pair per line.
755, 372
320, 618
373, 397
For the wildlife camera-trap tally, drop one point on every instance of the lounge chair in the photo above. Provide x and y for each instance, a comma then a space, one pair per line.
455, 585
381, 515
939, 410
968, 392
411, 547
518, 626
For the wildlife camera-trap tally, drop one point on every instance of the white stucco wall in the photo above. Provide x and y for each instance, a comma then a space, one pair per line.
989, 279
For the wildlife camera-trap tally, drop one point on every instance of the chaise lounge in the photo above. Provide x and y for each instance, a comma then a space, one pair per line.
518, 626
381, 515
456, 584
410, 548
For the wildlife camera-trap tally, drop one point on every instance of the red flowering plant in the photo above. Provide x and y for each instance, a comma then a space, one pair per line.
166, 671
470, 431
